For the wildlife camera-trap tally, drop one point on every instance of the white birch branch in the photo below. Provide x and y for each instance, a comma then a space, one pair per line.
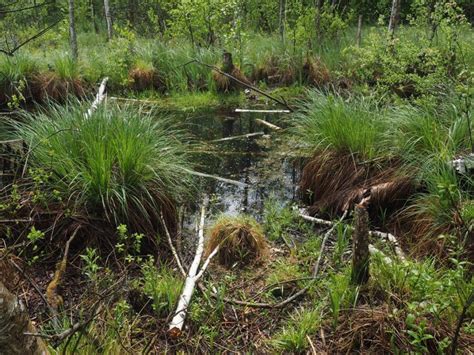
387, 236
268, 124
176, 324
99, 98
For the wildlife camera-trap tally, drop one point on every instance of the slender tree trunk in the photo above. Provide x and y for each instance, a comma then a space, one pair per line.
282, 19
132, 12
319, 8
72, 31
359, 31
108, 19
394, 16
360, 246
94, 22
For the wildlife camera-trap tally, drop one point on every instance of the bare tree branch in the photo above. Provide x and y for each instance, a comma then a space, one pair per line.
39, 34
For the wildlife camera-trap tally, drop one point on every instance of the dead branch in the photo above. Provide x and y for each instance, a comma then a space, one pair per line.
249, 135
39, 34
99, 98
260, 111
25, 8
228, 181
251, 87
52, 296
386, 236
268, 124
176, 324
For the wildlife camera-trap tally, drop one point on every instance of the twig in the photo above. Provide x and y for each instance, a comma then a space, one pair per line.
40, 33
35, 286
251, 87
25, 8
173, 250
313, 349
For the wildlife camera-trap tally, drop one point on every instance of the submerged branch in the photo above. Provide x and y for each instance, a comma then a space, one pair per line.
251, 87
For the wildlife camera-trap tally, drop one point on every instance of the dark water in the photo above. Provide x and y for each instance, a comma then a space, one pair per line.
258, 162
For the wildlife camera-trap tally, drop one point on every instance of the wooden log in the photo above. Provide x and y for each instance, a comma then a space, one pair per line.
176, 324
243, 136
260, 111
14, 323
268, 124
360, 246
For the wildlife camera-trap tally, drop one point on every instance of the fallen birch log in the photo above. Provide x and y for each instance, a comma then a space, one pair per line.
261, 111
387, 236
138, 101
243, 136
99, 98
268, 124
194, 274
215, 177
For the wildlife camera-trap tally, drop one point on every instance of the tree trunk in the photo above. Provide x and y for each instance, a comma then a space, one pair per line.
108, 19
14, 322
72, 31
360, 246
319, 8
394, 16
282, 19
359, 31
132, 12
94, 22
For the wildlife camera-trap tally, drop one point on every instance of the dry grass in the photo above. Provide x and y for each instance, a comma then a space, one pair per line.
240, 239
50, 86
225, 84
315, 73
273, 72
146, 79
333, 182
377, 330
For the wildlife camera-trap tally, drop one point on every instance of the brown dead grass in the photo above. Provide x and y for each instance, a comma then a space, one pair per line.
376, 330
146, 79
315, 72
273, 72
48, 86
334, 182
225, 84
240, 239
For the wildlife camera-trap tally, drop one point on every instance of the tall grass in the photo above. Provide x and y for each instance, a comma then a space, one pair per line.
330, 122
120, 164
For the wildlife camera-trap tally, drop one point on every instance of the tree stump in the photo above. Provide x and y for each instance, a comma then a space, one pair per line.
14, 322
360, 246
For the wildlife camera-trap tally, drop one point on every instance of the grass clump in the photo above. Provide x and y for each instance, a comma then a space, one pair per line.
116, 164
294, 336
240, 239
15, 74
329, 122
